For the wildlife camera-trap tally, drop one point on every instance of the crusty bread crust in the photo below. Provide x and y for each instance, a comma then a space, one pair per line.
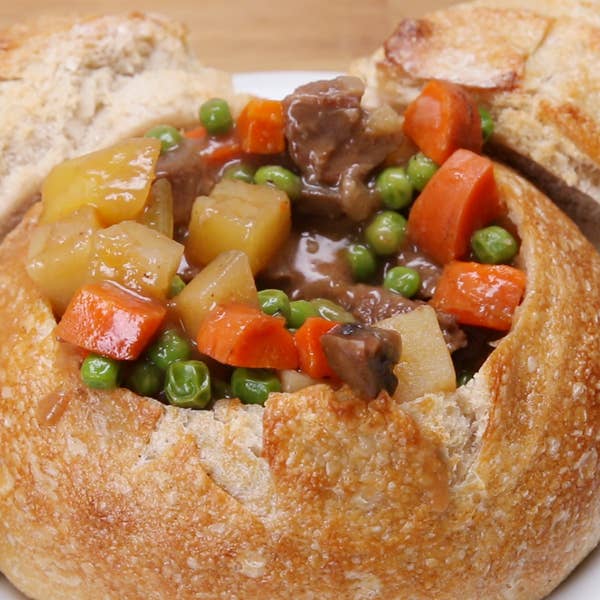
490, 492
534, 65
71, 86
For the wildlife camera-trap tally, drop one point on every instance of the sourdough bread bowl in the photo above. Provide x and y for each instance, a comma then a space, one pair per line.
489, 490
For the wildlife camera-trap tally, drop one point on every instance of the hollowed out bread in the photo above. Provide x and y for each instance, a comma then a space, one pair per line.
489, 492
68, 87
534, 65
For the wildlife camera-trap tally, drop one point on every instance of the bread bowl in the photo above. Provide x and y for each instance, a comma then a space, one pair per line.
101, 490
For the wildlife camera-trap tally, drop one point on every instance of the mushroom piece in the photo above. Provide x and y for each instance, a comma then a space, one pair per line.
363, 357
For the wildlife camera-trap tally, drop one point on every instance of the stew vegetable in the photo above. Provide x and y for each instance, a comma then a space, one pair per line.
299, 242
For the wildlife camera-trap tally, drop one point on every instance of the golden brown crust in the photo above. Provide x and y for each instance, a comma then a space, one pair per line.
533, 65
112, 495
474, 46
489, 492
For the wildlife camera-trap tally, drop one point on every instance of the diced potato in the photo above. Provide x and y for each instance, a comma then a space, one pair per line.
425, 364
239, 216
228, 278
158, 212
59, 253
115, 180
293, 381
135, 256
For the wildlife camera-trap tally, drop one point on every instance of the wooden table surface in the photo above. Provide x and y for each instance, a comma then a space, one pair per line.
249, 35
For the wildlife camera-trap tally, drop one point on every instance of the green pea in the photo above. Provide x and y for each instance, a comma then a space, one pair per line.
420, 170
176, 286
168, 348
494, 245
331, 311
145, 378
300, 310
487, 124
394, 187
239, 171
216, 117
187, 384
281, 178
363, 262
253, 386
169, 136
274, 302
402, 280
464, 377
386, 233
100, 372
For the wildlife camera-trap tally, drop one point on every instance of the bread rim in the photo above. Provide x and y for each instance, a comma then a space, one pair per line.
533, 65
491, 491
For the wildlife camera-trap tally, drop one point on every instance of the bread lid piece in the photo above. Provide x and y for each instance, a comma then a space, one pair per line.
534, 66
68, 87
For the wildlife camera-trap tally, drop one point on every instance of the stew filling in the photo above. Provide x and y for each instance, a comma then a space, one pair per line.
306, 240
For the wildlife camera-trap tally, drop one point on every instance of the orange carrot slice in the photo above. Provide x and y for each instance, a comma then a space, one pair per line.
460, 198
312, 359
260, 127
109, 320
442, 119
243, 336
483, 295
197, 133
221, 150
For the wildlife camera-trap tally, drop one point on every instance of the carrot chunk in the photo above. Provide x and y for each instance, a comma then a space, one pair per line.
243, 336
197, 133
460, 198
442, 119
483, 295
109, 320
311, 356
260, 127
221, 149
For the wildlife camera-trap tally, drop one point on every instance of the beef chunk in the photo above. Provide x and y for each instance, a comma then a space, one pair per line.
429, 271
336, 144
454, 336
370, 303
363, 357
189, 176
